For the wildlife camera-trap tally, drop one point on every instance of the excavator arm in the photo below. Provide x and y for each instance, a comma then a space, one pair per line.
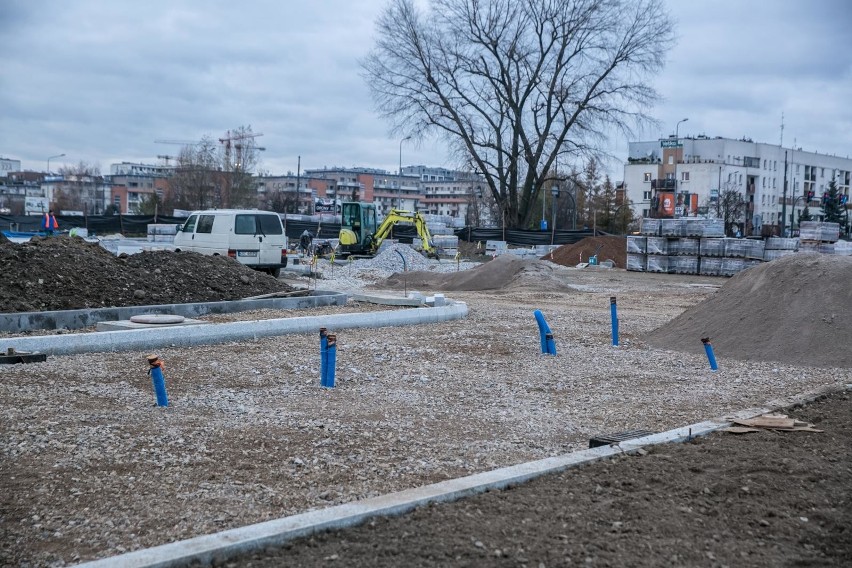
398, 216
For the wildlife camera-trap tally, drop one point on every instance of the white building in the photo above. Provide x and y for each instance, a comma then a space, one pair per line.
668, 177
9, 165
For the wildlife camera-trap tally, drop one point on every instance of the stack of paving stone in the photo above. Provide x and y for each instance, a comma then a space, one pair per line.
447, 245
817, 236
690, 246
776, 247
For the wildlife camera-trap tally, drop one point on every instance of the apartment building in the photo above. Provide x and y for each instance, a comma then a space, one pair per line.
684, 177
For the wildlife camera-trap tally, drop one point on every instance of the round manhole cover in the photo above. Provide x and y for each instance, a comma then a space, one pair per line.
157, 318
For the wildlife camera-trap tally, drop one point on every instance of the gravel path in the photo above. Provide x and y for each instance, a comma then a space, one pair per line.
90, 468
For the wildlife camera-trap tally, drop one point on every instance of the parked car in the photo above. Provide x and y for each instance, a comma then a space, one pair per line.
253, 237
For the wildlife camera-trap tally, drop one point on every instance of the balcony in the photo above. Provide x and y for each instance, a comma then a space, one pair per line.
662, 184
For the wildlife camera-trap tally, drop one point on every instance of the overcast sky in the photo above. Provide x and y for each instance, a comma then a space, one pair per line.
100, 80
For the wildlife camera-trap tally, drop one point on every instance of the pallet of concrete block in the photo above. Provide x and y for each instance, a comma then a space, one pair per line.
826, 248
754, 248
650, 227
819, 231
636, 244
162, 232
657, 263
495, 247
731, 266
657, 245
843, 248
683, 247
712, 228
672, 227
683, 264
439, 229
779, 243
636, 262
445, 241
751, 263
544, 250
808, 246
708, 266
712, 247
736, 248
772, 254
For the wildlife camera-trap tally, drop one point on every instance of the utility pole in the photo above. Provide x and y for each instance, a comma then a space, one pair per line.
784, 198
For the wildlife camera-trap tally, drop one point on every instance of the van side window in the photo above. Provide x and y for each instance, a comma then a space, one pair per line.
245, 225
205, 224
270, 224
189, 226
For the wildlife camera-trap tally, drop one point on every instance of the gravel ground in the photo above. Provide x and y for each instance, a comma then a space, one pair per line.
91, 468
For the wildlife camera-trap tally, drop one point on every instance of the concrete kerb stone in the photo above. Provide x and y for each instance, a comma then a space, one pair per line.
146, 339
223, 545
75, 319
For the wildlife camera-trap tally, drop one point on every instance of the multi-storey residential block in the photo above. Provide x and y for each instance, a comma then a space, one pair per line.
671, 177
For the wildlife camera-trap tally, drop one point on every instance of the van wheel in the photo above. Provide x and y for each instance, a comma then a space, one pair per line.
275, 272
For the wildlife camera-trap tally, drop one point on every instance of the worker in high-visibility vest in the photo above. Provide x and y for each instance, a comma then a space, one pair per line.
49, 225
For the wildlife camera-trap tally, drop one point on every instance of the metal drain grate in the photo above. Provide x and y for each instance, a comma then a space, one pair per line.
608, 439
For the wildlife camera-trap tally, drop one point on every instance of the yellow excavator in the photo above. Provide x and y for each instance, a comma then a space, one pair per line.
361, 235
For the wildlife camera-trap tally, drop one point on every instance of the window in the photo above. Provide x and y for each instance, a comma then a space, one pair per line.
684, 176
646, 195
646, 212
647, 176
671, 159
189, 226
764, 164
205, 224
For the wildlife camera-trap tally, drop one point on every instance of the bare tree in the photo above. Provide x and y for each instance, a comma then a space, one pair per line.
196, 181
239, 187
731, 206
513, 85
79, 189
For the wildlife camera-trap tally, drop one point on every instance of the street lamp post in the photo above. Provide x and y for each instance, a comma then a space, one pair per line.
677, 147
554, 191
399, 190
50, 158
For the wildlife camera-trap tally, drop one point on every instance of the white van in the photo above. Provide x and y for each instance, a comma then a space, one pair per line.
253, 237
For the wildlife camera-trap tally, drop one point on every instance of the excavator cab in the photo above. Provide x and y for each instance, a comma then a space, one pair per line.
360, 233
358, 225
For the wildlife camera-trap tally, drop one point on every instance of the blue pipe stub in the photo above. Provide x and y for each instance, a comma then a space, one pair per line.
547, 346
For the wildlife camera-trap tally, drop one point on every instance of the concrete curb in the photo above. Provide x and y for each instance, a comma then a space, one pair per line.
152, 338
226, 544
75, 319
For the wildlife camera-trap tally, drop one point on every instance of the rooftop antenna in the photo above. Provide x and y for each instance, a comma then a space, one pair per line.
782, 129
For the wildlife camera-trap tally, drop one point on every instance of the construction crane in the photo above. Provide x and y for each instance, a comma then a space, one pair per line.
180, 142
235, 140
166, 158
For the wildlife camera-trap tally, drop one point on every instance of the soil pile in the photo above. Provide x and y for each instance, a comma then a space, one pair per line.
64, 273
795, 310
504, 271
607, 248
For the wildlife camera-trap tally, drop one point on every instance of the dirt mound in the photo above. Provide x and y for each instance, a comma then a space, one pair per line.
504, 271
607, 248
796, 310
62, 273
